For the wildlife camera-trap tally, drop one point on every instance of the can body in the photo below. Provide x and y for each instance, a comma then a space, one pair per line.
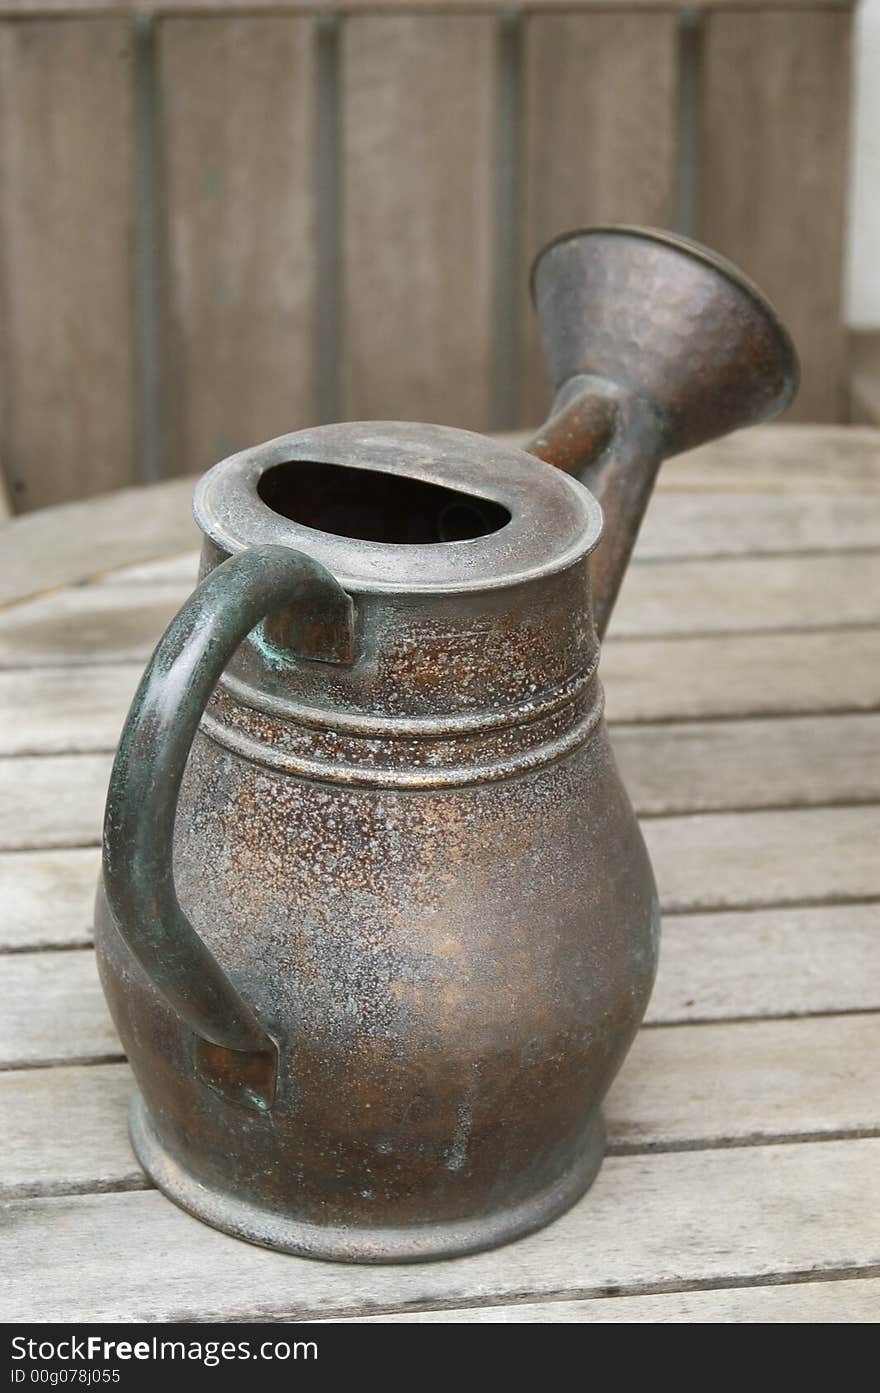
411, 855
453, 978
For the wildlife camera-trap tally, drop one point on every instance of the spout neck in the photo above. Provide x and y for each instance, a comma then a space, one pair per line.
613, 442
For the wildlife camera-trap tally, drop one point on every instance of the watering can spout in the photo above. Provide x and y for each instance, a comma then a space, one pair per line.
654, 345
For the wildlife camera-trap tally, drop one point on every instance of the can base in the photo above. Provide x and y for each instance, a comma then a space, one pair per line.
339, 1243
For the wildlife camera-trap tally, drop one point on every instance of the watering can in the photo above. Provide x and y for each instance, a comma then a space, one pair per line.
376, 922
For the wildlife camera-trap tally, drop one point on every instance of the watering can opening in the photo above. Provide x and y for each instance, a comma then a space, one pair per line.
373, 505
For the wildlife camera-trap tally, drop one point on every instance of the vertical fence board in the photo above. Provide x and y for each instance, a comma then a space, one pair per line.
237, 100
66, 337
600, 114
418, 196
776, 93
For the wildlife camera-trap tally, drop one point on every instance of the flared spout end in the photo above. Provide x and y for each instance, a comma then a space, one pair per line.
654, 344
665, 320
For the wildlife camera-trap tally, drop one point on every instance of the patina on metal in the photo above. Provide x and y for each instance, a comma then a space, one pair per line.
376, 923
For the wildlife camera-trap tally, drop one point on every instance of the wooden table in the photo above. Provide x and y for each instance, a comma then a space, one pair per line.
743, 1180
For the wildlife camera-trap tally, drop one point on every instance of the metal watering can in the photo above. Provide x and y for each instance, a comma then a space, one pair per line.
376, 923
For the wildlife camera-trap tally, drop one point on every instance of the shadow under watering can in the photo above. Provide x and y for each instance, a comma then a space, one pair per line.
376, 923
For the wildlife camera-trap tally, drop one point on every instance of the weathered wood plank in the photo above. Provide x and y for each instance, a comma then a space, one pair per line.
161, 7
71, 543
680, 767
771, 592
64, 710
749, 1083
57, 800
65, 1130
822, 1303
749, 1214
783, 458
780, 164
599, 141
733, 496
768, 962
728, 860
237, 125
66, 346
54, 1010
864, 371
182, 569
741, 675
53, 802
88, 624
47, 898
779, 458
712, 967
737, 524
705, 767
418, 102
685, 525
109, 623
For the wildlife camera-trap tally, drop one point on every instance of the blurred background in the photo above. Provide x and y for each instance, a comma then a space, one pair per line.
223, 221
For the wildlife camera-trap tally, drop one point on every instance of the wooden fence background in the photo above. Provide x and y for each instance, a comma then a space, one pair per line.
219, 222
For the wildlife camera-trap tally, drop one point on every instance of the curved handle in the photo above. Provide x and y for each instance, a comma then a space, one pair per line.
145, 786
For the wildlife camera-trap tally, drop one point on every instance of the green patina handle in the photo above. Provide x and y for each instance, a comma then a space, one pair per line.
145, 786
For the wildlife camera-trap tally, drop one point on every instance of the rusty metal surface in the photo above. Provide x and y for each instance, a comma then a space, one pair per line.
402, 849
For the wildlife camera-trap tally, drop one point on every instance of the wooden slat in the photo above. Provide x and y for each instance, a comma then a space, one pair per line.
47, 898
741, 675
718, 967
599, 133
776, 102
736, 524
100, 624
418, 104
821, 1303
53, 1010
70, 544
768, 962
747, 1084
65, 1130
687, 525
237, 127
781, 458
64, 710
773, 592
705, 767
864, 372
681, 767
161, 7
52, 802
725, 860
57, 800
182, 569
67, 370
810, 488
755, 674
712, 1217
114, 622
